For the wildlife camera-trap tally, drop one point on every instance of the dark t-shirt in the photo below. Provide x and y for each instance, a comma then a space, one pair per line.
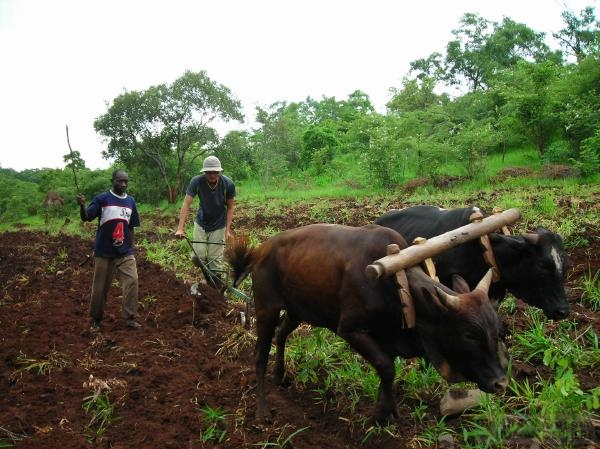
116, 215
212, 213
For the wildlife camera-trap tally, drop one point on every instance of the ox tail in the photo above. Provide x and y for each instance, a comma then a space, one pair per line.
240, 257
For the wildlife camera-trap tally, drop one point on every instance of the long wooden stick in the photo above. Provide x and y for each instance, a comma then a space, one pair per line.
72, 161
415, 254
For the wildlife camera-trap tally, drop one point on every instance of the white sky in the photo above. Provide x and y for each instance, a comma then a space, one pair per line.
63, 60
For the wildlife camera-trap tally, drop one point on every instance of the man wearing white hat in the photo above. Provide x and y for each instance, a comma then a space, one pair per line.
216, 193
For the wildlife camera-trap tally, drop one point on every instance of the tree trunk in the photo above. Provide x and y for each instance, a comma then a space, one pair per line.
171, 195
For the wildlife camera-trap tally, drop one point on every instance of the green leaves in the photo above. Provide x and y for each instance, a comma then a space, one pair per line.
167, 126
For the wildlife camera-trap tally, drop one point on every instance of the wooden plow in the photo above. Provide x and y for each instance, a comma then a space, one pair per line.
215, 281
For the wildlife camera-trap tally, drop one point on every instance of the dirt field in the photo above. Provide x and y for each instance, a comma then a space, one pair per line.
164, 373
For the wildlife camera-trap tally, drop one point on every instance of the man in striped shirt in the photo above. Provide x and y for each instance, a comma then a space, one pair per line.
114, 249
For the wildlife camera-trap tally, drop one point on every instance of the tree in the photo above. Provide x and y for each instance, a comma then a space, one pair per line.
167, 126
480, 49
581, 35
416, 94
579, 104
319, 145
277, 145
235, 153
531, 98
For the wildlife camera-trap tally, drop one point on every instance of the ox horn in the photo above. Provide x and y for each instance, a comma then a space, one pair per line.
484, 283
450, 301
531, 238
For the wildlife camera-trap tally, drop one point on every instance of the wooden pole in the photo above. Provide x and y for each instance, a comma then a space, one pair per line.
415, 254
72, 161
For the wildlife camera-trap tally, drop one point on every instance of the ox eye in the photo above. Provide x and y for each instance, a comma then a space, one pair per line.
472, 338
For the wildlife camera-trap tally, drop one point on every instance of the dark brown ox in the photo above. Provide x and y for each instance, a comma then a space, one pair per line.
317, 275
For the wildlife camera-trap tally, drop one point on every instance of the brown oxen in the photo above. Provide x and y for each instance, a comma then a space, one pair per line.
317, 275
52, 200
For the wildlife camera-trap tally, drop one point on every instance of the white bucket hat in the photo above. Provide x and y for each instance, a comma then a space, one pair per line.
212, 163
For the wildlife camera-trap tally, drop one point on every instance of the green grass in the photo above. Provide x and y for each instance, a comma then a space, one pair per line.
591, 290
560, 346
214, 424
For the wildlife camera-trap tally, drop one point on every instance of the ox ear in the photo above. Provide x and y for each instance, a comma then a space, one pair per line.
459, 285
531, 238
451, 302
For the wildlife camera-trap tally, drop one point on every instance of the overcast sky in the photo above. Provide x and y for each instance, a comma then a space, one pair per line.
63, 60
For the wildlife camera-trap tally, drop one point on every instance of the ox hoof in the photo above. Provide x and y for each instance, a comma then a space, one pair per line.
382, 418
455, 402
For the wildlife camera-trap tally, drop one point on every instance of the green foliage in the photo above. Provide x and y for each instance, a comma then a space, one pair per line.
581, 35
546, 205
563, 346
102, 414
319, 144
491, 427
591, 290
325, 363
167, 126
415, 95
214, 429
558, 152
472, 145
278, 143
555, 412
281, 440
588, 161
430, 437
235, 153
418, 379
168, 252
19, 199
530, 97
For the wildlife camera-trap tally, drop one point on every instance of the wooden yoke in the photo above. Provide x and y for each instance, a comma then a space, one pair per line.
499, 210
408, 306
427, 264
488, 252
415, 254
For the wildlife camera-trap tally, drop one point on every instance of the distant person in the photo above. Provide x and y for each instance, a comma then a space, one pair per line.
117, 215
216, 193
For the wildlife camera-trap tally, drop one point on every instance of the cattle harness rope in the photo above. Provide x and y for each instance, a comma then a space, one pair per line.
484, 240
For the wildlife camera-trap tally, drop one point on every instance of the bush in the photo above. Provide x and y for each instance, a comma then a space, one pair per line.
589, 156
557, 153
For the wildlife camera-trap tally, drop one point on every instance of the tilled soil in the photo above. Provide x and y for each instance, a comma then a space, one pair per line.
161, 375
186, 358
